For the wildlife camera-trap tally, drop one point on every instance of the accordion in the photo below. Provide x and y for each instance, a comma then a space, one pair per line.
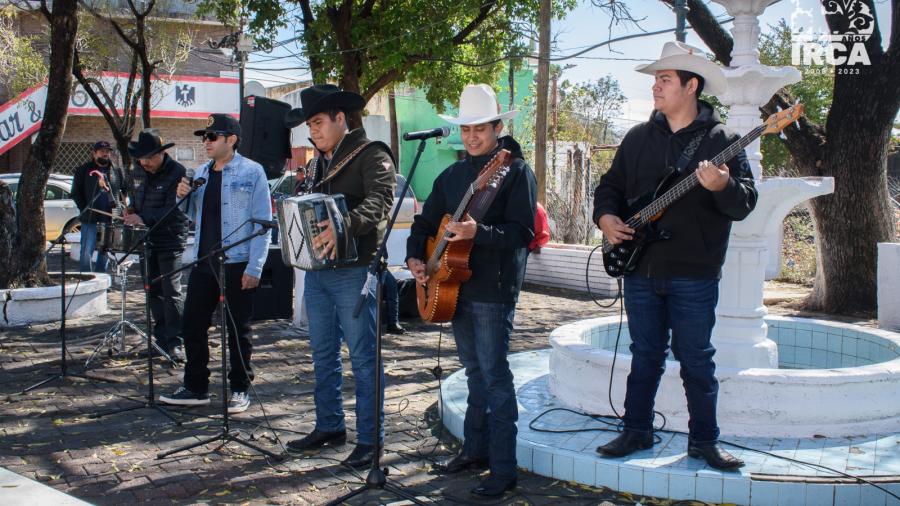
299, 218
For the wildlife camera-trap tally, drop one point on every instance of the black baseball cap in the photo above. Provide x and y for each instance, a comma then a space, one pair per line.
102, 145
221, 124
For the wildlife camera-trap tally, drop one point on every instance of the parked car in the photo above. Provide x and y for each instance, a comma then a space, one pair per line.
59, 208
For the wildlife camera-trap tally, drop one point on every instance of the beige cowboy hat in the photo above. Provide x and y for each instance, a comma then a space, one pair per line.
478, 104
680, 56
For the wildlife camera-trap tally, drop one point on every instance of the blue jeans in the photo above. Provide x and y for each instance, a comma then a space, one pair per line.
482, 332
391, 296
687, 308
331, 297
88, 245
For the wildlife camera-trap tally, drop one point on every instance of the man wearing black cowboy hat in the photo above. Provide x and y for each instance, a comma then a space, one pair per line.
154, 194
363, 171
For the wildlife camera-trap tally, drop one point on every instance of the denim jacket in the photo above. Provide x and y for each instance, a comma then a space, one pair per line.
245, 196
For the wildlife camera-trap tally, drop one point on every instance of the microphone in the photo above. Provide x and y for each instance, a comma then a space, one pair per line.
189, 174
426, 134
264, 223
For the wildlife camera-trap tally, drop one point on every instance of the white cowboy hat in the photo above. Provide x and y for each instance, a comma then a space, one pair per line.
478, 104
680, 56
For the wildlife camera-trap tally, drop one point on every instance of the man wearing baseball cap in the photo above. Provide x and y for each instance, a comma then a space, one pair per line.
673, 291
235, 192
93, 187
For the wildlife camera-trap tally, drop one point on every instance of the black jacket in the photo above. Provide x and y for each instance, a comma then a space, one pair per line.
367, 183
153, 195
500, 246
85, 187
700, 222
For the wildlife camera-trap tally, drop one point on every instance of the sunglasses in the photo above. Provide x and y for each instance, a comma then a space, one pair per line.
213, 136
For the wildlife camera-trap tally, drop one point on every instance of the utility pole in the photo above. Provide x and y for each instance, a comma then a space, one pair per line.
512, 95
540, 123
680, 15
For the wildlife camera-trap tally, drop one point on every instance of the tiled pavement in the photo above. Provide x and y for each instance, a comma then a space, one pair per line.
48, 435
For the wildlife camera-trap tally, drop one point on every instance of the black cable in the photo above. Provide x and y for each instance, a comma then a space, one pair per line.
587, 283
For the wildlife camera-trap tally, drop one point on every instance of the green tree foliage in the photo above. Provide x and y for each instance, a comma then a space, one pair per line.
814, 91
21, 65
586, 109
366, 45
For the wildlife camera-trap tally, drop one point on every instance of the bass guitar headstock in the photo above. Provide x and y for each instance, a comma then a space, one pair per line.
781, 119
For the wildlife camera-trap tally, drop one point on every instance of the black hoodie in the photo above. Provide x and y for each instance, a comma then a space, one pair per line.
700, 222
154, 196
499, 253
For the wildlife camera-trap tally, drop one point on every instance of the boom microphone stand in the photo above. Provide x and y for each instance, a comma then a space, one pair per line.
150, 403
63, 363
227, 434
376, 479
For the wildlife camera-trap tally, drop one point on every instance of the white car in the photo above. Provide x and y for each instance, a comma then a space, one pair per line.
59, 208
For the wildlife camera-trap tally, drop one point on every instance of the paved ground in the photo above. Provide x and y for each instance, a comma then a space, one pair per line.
48, 435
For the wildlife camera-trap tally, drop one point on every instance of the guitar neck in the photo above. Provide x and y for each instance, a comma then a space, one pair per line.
460, 211
687, 184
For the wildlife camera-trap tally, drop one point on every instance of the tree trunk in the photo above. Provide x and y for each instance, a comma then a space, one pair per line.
395, 128
540, 120
30, 263
7, 235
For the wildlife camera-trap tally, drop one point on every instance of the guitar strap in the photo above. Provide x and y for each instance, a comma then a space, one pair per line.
689, 151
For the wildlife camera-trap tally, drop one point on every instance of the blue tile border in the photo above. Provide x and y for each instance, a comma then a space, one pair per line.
666, 467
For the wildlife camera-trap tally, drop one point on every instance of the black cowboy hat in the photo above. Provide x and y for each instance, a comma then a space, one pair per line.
148, 144
322, 97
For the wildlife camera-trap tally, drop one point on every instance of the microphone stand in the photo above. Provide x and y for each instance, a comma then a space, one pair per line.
376, 479
63, 363
227, 434
150, 403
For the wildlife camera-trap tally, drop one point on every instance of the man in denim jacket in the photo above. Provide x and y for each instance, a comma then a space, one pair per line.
235, 192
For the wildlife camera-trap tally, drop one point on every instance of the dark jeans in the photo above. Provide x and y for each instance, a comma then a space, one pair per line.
482, 332
166, 302
391, 297
202, 299
687, 308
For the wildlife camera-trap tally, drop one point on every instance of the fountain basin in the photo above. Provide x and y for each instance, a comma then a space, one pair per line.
834, 379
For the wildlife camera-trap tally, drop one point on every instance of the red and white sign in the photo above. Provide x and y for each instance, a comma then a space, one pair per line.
177, 97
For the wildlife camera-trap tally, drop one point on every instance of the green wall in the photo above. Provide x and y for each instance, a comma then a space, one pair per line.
415, 113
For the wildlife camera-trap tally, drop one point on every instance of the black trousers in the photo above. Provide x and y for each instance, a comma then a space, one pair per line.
166, 302
202, 300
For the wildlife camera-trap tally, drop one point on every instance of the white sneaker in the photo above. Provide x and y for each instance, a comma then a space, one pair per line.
239, 402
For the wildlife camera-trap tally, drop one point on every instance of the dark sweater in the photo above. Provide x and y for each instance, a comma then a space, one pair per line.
86, 187
700, 222
154, 194
500, 246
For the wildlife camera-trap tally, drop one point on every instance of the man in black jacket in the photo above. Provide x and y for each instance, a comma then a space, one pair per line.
153, 197
674, 287
89, 193
487, 302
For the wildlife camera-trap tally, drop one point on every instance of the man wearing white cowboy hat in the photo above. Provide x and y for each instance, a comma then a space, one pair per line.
487, 302
674, 288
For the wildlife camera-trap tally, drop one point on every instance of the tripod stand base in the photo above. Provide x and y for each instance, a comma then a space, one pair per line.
376, 480
226, 436
64, 375
143, 405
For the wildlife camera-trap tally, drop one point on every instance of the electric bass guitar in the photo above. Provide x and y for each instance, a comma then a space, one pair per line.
448, 262
621, 259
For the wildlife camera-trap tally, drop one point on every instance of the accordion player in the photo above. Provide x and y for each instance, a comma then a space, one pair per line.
298, 219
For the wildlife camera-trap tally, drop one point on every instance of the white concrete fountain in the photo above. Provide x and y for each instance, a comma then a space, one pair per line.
779, 377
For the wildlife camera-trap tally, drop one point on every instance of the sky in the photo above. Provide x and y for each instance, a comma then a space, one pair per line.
588, 25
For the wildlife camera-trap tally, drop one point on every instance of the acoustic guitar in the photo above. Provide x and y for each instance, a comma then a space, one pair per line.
621, 259
448, 262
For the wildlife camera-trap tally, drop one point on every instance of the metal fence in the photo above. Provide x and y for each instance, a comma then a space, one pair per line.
70, 156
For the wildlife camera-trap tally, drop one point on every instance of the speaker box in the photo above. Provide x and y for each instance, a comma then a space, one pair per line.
274, 298
266, 140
